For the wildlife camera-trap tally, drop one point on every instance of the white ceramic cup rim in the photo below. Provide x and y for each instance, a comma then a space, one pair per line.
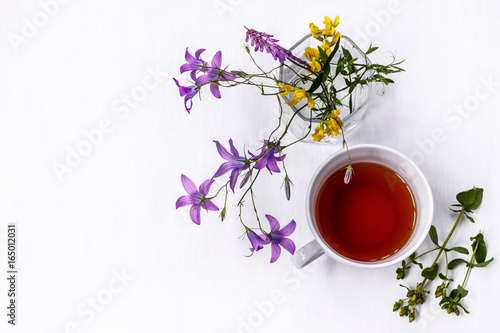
395, 161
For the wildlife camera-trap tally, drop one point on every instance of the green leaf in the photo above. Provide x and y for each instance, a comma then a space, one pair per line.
471, 199
463, 291
466, 198
371, 49
447, 299
477, 200
443, 277
433, 235
460, 305
316, 83
326, 73
481, 250
323, 54
430, 273
470, 218
454, 210
483, 264
456, 262
460, 249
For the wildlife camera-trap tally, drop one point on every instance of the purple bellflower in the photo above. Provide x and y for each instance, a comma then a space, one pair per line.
214, 74
197, 198
194, 64
278, 237
266, 157
188, 93
263, 41
235, 163
257, 241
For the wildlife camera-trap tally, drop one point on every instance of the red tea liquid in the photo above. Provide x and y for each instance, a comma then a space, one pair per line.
368, 219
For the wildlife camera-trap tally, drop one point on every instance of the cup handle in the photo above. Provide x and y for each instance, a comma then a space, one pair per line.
307, 254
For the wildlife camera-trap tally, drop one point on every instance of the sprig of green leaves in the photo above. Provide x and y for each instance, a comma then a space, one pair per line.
468, 201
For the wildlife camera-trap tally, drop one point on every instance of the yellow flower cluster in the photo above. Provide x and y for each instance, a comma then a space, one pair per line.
332, 125
298, 95
328, 31
312, 54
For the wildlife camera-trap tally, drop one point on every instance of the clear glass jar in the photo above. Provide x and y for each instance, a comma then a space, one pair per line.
302, 125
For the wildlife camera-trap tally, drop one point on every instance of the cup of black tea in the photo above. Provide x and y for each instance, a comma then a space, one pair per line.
376, 219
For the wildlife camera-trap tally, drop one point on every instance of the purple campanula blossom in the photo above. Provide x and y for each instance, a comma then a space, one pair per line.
263, 41
278, 237
235, 163
257, 241
194, 64
214, 74
188, 93
266, 158
197, 198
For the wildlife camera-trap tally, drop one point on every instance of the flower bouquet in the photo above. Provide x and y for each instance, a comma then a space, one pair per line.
325, 78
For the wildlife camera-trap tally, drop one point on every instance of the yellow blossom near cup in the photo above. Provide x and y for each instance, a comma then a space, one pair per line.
314, 30
315, 66
311, 53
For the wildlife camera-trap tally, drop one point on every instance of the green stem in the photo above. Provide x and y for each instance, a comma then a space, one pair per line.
469, 266
446, 240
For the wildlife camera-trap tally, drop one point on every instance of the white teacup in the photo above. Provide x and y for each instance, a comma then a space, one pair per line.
375, 154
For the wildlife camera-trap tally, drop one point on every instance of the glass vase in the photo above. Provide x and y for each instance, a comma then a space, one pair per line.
303, 124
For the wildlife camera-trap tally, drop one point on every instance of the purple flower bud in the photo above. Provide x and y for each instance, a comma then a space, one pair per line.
245, 179
288, 190
348, 174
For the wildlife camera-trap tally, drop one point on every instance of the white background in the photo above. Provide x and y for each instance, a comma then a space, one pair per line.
113, 214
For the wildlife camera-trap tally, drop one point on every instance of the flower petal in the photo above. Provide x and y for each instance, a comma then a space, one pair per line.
287, 230
223, 152
233, 178
287, 244
275, 252
233, 148
214, 88
195, 214
204, 79
198, 53
223, 169
189, 186
217, 60
209, 205
185, 200
272, 165
189, 58
273, 222
262, 162
205, 186
189, 67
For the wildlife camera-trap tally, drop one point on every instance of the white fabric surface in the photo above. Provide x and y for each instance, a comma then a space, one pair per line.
104, 250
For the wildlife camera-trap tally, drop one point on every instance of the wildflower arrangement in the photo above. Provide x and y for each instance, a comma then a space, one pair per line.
313, 90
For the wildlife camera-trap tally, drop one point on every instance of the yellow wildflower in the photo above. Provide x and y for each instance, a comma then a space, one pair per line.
336, 22
310, 102
311, 53
298, 95
318, 133
326, 47
314, 30
336, 38
329, 28
315, 66
334, 114
286, 89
